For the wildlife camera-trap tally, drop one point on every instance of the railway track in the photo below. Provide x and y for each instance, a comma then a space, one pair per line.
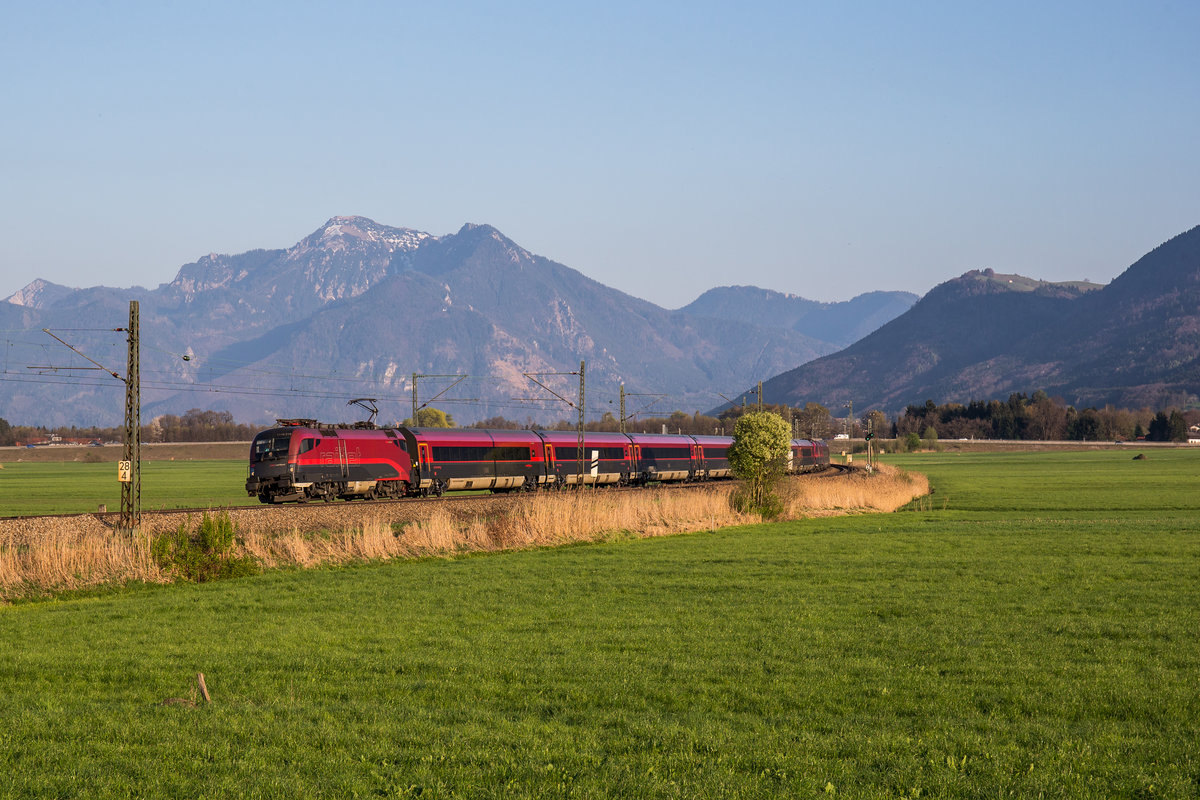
316, 515
150, 512
358, 503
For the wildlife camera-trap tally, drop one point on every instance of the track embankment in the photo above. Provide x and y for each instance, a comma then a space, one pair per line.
839, 489
43, 555
281, 518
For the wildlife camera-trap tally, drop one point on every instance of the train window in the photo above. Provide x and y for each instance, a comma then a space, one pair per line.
606, 453
510, 454
458, 453
715, 452
662, 453
271, 447
308, 444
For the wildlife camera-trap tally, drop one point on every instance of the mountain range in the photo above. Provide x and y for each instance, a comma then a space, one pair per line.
355, 308
1132, 343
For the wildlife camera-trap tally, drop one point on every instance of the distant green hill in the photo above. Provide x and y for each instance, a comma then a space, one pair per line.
1133, 343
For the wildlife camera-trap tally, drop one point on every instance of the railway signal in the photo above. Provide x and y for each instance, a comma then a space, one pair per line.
870, 445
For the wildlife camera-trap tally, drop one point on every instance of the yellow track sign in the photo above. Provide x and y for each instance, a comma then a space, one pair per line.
124, 471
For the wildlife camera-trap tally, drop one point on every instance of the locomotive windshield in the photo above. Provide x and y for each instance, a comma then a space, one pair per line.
271, 446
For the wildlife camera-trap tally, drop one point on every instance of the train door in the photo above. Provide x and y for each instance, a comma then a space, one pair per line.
540, 464
343, 458
552, 475
424, 466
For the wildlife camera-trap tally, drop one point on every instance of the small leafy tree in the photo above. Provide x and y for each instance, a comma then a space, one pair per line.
431, 417
813, 420
930, 438
758, 456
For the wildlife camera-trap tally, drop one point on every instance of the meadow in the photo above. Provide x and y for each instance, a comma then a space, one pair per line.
31, 488
1030, 629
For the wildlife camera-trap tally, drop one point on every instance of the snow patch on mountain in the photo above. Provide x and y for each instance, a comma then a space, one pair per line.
358, 234
38, 294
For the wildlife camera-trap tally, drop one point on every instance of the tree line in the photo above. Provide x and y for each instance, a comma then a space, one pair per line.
1036, 417
812, 421
1039, 417
195, 425
1020, 417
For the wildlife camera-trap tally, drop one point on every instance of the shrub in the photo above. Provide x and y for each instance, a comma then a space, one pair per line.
758, 456
745, 500
205, 554
930, 438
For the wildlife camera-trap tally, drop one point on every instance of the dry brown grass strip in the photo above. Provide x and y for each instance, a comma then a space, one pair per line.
885, 489
66, 559
63, 558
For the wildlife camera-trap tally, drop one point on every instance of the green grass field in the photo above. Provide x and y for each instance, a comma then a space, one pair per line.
1030, 630
28, 488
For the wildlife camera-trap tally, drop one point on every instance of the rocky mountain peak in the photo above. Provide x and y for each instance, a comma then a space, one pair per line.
476, 235
38, 294
358, 234
368, 304
474, 245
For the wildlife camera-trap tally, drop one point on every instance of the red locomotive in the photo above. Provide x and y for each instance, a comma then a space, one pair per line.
302, 460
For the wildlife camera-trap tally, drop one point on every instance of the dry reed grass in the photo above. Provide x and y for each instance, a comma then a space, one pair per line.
884, 490
66, 559
543, 521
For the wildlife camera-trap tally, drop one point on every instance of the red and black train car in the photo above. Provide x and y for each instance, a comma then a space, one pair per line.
302, 460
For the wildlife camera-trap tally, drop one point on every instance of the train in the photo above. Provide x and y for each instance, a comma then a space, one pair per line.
302, 460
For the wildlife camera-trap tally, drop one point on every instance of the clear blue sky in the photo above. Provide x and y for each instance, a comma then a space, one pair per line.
662, 148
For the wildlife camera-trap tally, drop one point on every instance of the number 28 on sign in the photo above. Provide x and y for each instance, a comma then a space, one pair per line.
124, 471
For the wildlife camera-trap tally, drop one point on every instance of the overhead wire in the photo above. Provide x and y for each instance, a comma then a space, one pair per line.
251, 391
164, 379
261, 391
